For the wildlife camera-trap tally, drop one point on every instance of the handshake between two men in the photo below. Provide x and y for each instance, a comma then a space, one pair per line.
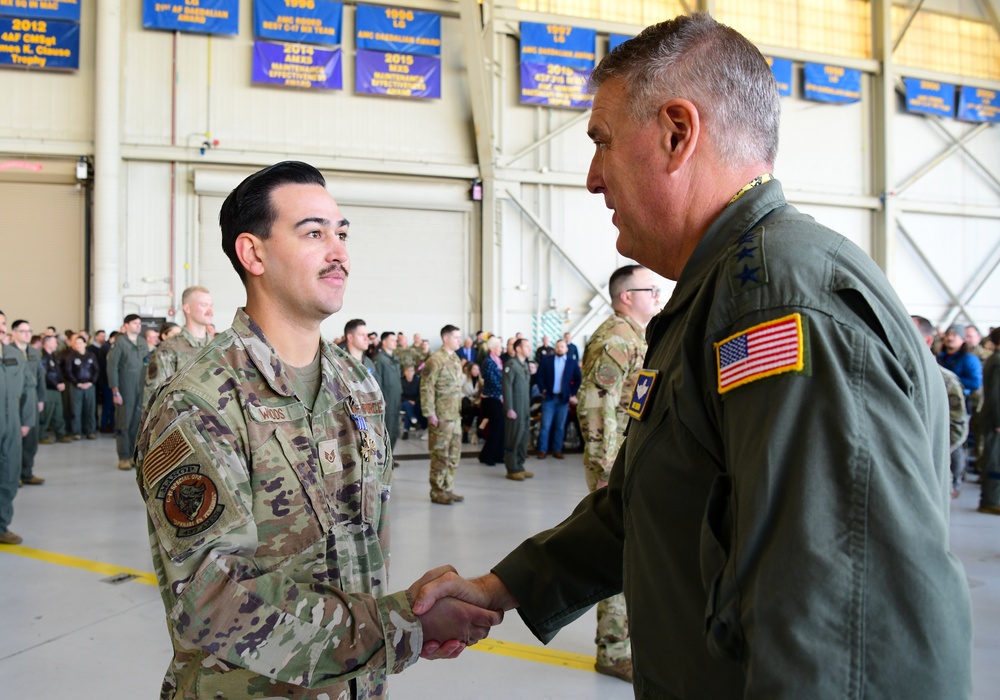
455, 612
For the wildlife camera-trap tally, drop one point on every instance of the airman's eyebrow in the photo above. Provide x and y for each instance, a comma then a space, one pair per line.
343, 223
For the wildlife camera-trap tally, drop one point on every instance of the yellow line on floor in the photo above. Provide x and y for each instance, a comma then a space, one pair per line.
525, 652
78, 563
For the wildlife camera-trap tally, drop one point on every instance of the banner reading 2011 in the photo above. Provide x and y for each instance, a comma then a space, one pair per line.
556, 61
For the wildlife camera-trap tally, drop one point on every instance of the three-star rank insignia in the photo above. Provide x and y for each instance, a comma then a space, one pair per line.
746, 268
642, 393
190, 500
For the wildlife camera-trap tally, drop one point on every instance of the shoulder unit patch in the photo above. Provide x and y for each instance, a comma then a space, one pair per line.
764, 350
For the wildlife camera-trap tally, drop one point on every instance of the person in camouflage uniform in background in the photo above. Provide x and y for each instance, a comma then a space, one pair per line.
175, 352
266, 472
989, 499
441, 403
611, 362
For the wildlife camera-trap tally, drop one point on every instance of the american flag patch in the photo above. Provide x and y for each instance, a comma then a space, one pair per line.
767, 349
165, 456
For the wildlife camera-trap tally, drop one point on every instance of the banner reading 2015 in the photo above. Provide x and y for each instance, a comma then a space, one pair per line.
556, 61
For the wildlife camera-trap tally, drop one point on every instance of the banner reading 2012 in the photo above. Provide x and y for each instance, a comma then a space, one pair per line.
556, 61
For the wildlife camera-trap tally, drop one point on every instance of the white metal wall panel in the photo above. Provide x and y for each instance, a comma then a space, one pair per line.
42, 234
146, 245
957, 247
410, 270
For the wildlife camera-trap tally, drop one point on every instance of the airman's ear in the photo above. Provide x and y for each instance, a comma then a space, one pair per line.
680, 126
250, 251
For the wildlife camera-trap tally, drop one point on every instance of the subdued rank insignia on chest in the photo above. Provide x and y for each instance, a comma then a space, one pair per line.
764, 350
329, 457
747, 268
190, 500
642, 393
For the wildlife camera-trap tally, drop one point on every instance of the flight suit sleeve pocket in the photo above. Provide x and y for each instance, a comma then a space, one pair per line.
721, 612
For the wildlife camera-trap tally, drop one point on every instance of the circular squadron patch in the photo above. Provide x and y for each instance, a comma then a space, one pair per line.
190, 500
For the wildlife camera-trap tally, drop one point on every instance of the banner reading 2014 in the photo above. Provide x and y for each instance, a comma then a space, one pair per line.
556, 61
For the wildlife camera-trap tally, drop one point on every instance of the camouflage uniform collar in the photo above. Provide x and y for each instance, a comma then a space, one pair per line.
194, 342
265, 358
639, 330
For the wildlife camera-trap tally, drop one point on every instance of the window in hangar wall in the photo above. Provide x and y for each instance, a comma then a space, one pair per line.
949, 43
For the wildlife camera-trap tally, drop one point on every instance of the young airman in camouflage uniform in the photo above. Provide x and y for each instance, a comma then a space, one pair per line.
441, 403
173, 353
611, 363
266, 472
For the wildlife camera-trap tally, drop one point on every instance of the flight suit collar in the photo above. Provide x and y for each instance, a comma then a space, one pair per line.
735, 220
265, 358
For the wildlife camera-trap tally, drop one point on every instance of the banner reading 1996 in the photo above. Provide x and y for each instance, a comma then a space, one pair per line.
39, 43
556, 61
297, 65
199, 16
311, 21
398, 30
42, 9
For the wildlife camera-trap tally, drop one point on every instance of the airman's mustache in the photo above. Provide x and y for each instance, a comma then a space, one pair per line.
336, 266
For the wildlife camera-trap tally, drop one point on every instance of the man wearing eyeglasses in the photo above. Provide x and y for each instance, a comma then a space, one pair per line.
611, 364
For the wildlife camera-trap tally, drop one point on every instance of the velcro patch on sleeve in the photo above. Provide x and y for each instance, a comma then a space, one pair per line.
764, 350
166, 455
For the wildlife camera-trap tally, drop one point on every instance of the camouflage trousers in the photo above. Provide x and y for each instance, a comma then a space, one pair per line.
612, 639
445, 445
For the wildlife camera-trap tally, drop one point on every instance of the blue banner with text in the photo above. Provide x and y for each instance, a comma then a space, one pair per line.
978, 105
198, 16
554, 86
397, 74
68, 10
311, 21
39, 43
833, 84
398, 30
558, 44
297, 65
781, 69
930, 97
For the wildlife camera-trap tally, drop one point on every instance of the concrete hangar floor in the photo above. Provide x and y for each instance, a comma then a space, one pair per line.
71, 628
